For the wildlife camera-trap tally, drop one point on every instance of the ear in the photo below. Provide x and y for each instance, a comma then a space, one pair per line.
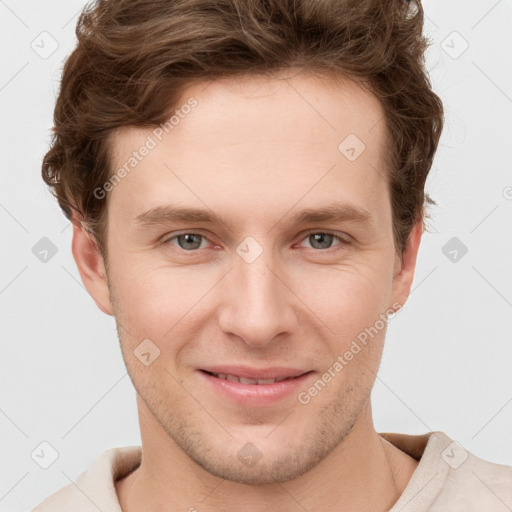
405, 265
90, 264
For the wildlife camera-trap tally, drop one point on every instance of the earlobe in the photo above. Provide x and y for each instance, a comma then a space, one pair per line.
91, 266
406, 265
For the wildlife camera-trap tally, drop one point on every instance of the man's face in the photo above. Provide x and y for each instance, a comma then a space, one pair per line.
259, 290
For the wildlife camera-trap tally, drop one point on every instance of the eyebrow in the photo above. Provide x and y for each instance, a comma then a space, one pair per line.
336, 213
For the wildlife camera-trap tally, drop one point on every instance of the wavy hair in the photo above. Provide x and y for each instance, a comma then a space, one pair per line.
134, 56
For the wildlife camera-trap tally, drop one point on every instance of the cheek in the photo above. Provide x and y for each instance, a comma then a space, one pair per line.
350, 304
159, 302
347, 300
156, 302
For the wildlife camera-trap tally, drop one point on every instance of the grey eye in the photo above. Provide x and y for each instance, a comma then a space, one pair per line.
321, 240
189, 241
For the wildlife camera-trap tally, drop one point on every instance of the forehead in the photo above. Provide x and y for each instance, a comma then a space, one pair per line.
261, 143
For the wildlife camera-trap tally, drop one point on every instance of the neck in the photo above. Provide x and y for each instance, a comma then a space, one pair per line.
364, 472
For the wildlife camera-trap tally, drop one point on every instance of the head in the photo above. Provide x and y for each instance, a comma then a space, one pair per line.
259, 114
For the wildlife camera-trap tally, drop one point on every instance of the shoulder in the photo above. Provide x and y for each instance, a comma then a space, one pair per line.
451, 478
475, 484
94, 489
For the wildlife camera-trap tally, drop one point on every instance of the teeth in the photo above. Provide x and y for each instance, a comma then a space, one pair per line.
264, 381
243, 380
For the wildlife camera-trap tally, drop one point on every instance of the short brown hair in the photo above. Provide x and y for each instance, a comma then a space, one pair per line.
133, 56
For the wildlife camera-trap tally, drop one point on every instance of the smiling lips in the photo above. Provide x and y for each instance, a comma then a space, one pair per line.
247, 375
252, 387
245, 380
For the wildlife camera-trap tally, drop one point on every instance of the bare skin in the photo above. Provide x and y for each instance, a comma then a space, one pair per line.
255, 152
380, 489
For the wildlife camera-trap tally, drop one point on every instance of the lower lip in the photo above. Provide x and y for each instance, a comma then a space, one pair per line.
256, 394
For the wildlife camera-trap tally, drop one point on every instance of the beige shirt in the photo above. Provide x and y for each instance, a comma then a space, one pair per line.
447, 478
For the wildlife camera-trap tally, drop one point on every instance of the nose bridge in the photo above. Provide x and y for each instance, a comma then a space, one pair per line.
256, 303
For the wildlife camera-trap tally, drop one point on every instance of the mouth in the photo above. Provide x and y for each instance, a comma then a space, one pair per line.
250, 387
247, 380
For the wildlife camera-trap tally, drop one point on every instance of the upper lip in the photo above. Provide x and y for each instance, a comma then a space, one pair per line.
256, 373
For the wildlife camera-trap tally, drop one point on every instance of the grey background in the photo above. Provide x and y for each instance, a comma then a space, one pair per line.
446, 364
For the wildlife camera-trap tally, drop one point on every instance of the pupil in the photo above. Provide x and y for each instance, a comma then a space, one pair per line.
320, 237
189, 239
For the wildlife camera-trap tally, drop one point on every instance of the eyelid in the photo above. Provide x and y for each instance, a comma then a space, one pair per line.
303, 236
344, 241
167, 239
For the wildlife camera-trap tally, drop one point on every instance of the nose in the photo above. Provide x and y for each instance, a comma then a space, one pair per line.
257, 304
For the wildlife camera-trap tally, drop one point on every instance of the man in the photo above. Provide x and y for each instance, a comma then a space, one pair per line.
246, 186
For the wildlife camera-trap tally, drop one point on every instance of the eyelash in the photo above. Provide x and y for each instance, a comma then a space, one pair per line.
329, 250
